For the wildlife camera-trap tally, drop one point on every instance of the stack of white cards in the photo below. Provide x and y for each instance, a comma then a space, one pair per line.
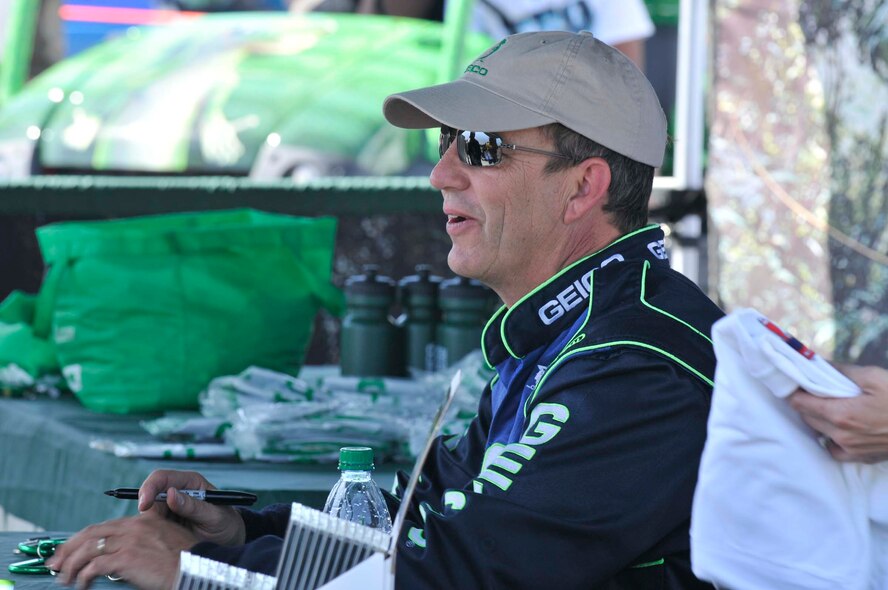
200, 573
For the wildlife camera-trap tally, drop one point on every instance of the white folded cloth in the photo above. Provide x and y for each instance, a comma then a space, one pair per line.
772, 509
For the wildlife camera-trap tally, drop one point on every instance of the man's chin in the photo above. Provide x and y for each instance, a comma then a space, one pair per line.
460, 264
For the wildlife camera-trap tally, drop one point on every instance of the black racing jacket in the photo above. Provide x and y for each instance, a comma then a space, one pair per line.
579, 470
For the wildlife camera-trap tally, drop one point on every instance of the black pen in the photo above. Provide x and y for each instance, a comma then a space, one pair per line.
226, 497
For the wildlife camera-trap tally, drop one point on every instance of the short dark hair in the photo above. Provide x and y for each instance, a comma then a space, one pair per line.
631, 182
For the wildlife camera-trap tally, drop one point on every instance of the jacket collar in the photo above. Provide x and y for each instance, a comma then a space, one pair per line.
544, 313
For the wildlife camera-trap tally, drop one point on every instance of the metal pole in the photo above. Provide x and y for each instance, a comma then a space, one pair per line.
18, 46
688, 236
690, 86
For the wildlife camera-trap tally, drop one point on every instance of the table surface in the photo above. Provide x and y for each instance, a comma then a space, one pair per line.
49, 475
8, 543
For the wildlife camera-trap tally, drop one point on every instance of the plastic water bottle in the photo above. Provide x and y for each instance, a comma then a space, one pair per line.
356, 497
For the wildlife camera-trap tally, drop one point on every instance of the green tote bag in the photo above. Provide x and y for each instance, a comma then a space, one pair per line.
144, 312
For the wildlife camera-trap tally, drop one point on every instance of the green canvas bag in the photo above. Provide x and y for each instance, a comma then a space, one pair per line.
19, 345
144, 312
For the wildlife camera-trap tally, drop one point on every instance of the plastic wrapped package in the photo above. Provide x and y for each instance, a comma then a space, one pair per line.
315, 431
270, 416
255, 385
390, 415
204, 451
182, 426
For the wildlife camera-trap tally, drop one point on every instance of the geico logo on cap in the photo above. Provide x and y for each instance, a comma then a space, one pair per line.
475, 69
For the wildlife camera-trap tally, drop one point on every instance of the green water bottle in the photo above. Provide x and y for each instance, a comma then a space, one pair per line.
369, 343
419, 301
465, 309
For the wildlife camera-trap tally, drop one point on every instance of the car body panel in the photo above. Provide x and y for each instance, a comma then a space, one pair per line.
227, 93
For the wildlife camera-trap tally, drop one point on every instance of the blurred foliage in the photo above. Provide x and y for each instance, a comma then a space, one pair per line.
798, 171
848, 39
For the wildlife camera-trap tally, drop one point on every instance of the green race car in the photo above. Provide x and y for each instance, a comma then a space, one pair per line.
259, 94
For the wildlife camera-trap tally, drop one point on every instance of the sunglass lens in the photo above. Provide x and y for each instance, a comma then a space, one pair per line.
490, 144
477, 148
445, 139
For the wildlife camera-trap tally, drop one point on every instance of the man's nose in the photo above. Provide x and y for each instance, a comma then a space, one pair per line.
449, 173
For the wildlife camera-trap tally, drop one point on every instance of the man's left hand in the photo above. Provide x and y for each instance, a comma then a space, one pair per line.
856, 428
142, 548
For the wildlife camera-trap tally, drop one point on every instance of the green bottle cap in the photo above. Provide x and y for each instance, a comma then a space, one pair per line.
355, 459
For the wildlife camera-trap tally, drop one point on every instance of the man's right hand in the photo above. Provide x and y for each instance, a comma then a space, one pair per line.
219, 524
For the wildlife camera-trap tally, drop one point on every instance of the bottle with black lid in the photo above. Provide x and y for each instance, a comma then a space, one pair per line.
465, 309
369, 343
419, 301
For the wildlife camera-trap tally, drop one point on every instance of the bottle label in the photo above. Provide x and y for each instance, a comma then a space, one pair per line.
431, 357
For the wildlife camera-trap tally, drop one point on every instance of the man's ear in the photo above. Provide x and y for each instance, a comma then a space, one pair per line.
593, 178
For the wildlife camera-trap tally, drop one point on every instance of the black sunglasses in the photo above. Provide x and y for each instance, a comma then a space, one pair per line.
481, 148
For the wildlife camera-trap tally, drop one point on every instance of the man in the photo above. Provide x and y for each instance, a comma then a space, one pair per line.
580, 467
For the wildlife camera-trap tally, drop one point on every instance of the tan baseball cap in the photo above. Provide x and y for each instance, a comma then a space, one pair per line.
533, 79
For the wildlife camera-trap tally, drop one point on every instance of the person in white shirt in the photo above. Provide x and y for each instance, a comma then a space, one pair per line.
624, 25
856, 429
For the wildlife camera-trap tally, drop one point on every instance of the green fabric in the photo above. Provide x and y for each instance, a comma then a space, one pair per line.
146, 311
19, 344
